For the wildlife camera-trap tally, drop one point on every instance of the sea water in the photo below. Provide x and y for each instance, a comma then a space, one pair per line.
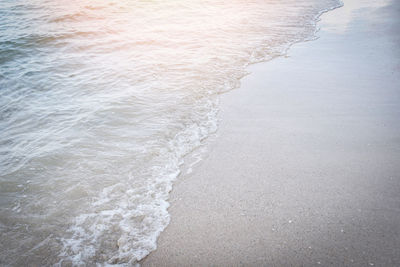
100, 101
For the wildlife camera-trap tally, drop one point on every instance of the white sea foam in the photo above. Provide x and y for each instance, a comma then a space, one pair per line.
100, 102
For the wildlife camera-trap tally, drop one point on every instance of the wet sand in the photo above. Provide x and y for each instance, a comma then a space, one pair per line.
305, 169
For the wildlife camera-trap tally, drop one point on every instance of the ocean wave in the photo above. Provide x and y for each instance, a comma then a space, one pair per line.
101, 102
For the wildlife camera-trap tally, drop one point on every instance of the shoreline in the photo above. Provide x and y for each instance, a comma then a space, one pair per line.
303, 171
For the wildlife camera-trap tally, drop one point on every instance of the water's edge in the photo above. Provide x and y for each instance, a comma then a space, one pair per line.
193, 158
101, 117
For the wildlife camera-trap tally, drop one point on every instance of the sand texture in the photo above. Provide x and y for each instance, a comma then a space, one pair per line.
305, 169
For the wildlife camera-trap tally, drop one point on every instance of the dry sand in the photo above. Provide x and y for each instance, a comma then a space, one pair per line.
306, 166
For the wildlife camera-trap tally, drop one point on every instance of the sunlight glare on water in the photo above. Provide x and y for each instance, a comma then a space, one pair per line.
99, 103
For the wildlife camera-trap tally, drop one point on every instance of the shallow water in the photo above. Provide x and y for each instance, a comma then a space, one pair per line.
99, 103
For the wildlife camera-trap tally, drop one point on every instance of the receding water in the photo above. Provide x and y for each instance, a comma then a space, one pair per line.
101, 100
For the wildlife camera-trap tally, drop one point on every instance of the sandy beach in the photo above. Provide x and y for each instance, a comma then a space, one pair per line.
305, 168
